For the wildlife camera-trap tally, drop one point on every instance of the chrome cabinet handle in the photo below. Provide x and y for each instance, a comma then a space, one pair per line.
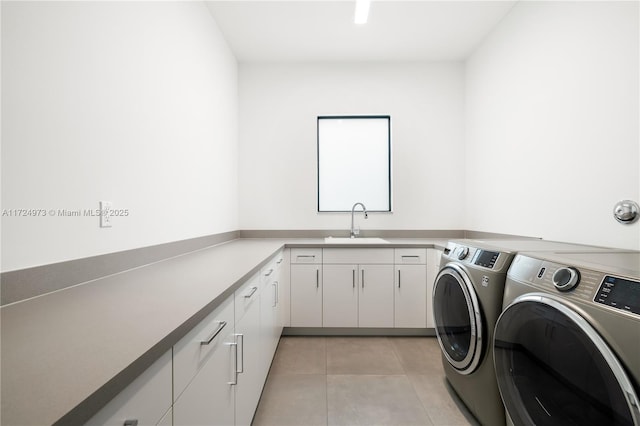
409, 256
279, 261
275, 294
221, 325
133, 422
399, 277
317, 278
241, 369
353, 277
269, 272
235, 363
363, 278
253, 290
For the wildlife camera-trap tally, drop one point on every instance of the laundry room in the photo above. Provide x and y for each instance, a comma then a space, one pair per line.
291, 207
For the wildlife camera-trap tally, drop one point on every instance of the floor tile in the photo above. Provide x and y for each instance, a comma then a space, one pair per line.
418, 355
293, 399
361, 355
440, 402
373, 400
374, 381
300, 355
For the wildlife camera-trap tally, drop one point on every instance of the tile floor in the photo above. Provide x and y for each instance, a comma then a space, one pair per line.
359, 381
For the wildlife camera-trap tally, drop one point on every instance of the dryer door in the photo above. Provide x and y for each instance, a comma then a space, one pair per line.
553, 368
457, 316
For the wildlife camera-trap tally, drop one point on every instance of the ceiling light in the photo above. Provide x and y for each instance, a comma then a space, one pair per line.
362, 11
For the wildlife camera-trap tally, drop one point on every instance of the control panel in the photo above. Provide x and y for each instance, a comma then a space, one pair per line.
619, 293
484, 258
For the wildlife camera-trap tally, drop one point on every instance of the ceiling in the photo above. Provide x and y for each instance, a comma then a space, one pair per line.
324, 31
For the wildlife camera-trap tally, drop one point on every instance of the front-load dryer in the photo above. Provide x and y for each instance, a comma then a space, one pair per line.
567, 345
467, 300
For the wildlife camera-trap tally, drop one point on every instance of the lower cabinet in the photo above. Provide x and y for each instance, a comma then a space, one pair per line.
410, 296
306, 295
375, 304
146, 401
357, 296
363, 287
411, 287
215, 374
248, 339
340, 295
204, 365
357, 288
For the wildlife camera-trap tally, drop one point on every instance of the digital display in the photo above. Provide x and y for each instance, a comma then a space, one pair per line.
620, 293
487, 258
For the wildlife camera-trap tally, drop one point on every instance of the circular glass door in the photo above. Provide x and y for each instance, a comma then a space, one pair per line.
457, 316
553, 368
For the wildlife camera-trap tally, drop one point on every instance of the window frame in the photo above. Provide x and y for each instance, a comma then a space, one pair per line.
389, 162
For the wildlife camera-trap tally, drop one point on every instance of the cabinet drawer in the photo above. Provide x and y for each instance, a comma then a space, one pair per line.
359, 255
269, 272
190, 354
410, 255
306, 255
247, 295
146, 399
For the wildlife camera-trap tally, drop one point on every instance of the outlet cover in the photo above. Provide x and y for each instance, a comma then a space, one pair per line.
105, 214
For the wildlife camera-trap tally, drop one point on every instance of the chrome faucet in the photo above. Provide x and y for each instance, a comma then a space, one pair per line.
355, 232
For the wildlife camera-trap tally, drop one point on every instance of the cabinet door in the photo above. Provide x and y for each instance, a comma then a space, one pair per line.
340, 296
269, 321
410, 296
190, 354
250, 369
145, 400
375, 304
209, 399
306, 295
284, 288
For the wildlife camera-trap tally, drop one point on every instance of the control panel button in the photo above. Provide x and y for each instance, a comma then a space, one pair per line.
463, 252
565, 278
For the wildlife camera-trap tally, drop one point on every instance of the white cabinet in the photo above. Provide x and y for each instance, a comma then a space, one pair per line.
284, 287
433, 267
215, 374
204, 363
375, 304
306, 287
270, 317
410, 294
146, 400
250, 378
340, 295
358, 287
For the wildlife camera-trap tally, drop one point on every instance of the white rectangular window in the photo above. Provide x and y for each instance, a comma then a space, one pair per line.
354, 163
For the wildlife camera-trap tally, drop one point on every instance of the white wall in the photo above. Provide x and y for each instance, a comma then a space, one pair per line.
279, 105
552, 117
130, 102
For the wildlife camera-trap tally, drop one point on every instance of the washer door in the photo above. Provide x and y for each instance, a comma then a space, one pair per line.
553, 368
458, 320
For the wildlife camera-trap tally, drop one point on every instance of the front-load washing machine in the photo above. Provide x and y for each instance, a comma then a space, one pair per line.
467, 300
567, 345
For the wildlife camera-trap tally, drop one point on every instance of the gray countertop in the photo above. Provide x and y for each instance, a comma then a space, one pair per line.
67, 353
